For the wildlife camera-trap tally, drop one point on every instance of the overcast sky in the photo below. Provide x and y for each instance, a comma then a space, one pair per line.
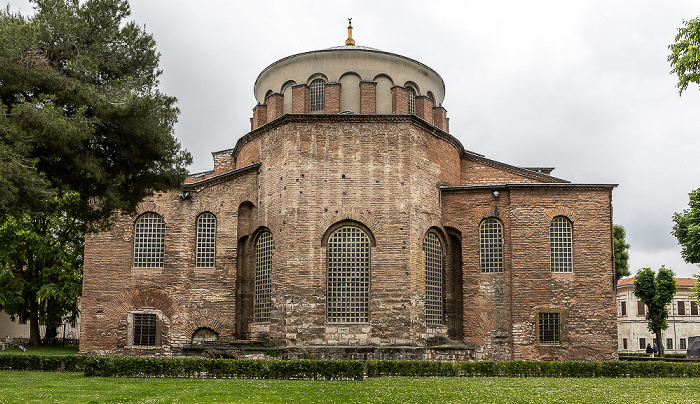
583, 86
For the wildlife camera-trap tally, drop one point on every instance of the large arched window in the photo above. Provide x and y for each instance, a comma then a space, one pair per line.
348, 276
560, 241
318, 95
432, 247
411, 100
149, 241
264, 247
206, 240
491, 245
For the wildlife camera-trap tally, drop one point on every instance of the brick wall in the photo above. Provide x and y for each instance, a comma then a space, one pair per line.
318, 172
275, 106
301, 96
368, 97
500, 310
332, 98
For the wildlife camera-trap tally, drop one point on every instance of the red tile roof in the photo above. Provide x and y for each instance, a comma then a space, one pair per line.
686, 282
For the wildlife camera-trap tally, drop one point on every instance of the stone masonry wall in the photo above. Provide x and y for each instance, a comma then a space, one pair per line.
187, 297
501, 309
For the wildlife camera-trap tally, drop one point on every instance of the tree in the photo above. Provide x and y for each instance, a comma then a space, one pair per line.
656, 290
685, 54
41, 259
80, 111
622, 268
686, 228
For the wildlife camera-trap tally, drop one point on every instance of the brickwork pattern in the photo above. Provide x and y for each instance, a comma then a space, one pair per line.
317, 173
368, 97
332, 98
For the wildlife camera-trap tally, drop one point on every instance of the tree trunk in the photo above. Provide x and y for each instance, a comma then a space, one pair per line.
34, 335
659, 344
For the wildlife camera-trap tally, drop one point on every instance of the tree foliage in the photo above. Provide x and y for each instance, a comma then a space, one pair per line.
622, 254
80, 111
656, 291
686, 228
685, 54
41, 259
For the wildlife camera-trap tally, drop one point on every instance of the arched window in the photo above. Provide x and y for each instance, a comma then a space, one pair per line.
348, 276
318, 95
264, 247
560, 241
432, 247
411, 100
491, 245
206, 240
149, 241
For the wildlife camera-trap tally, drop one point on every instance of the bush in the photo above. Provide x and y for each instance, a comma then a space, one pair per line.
127, 366
43, 363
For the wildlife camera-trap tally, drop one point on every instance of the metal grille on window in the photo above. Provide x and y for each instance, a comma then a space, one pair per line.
144, 329
348, 276
560, 244
149, 241
318, 93
264, 248
491, 245
433, 279
411, 100
549, 328
206, 240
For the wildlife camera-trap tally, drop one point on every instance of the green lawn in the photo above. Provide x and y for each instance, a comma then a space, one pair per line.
16, 387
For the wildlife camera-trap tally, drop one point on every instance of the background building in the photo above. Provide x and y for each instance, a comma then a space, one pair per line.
349, 217
632, 330
13, 333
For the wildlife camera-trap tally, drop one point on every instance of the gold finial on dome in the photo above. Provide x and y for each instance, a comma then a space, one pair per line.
349, 41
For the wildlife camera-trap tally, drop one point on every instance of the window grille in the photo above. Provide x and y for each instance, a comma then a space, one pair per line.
144, 329
669, 343
348, 276
206, 240
549, 328
642, 343
681, 344
411, 100
624, 343
693, 308
149, 241
491, 245
560, 244
433, 279
318, 95
623, 308
264, 247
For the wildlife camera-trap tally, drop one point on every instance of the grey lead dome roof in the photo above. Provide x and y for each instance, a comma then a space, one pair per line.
348, 63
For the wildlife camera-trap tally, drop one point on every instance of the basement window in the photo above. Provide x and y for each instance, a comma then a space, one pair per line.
549, 328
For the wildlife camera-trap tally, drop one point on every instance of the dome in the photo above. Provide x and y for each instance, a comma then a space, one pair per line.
349, 65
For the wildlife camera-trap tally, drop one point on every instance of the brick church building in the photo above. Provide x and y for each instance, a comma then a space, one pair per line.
349, 218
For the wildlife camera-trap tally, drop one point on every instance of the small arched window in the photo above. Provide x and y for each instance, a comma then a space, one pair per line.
264, 247
560, 242
206, 240
491, 245
432, 247
318, 95
348, 276
149, 241
411, 100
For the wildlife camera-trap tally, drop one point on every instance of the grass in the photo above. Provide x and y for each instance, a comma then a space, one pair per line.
25, 387
41, 350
